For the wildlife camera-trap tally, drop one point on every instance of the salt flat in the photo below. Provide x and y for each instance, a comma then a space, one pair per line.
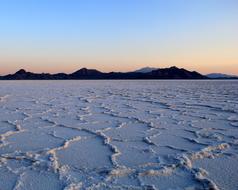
118, 135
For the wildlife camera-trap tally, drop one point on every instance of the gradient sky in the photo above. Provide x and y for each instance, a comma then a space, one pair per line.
119, 35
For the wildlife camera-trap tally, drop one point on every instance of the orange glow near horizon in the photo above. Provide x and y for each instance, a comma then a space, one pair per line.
122, 65
204, 60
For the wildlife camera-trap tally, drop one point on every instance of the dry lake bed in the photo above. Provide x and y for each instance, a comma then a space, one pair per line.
161, 135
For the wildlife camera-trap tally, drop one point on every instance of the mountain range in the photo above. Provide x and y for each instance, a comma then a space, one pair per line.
90, 74
210, 76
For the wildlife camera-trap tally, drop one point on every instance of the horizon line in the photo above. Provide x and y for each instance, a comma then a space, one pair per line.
25, 70
52, 73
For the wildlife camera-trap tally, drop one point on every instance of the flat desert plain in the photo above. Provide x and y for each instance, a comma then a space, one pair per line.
161, 135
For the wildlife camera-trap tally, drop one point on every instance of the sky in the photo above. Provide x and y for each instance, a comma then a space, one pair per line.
118, 35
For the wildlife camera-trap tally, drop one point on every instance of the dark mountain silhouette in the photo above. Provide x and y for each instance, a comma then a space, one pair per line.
175, 73
84, 73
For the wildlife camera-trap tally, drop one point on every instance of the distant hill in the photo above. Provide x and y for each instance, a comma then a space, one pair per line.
221, 76
89, 74
145, 70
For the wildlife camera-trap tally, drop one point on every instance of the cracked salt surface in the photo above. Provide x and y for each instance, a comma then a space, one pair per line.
162, 135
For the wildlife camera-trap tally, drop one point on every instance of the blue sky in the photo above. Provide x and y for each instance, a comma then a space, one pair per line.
65, 35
